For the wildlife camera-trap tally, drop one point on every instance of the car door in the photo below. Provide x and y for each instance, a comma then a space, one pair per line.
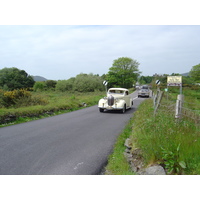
127, 98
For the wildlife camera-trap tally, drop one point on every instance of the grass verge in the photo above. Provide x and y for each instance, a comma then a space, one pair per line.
117, 163
162, 140
58, 103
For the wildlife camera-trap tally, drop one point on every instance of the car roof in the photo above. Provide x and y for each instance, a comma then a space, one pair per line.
118, 89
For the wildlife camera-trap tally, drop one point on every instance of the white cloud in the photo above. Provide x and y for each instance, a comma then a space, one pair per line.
60, 52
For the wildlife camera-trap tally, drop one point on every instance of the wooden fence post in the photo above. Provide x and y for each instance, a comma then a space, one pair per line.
160, 94
179, 105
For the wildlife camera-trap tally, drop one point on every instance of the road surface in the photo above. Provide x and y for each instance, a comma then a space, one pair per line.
73, 143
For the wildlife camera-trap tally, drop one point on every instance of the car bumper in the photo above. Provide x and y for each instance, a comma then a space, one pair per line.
143, 95
112, 108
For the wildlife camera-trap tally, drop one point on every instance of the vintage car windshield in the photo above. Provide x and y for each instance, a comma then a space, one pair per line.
145, 87
116, 92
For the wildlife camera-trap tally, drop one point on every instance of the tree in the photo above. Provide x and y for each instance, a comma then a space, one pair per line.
65, 85
50, 84
39, 86
145, 80
13, 78
195, 73
123, 73
88, 83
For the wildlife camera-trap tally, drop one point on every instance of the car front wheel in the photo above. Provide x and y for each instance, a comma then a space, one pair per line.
124, 109
101, 109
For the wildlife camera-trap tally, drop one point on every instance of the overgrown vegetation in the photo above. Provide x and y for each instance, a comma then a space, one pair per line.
80, 83
117, 163
55, 102
166, 141
23, 98
20, 98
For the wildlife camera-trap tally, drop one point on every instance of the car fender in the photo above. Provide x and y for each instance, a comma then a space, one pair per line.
101, 102
121, 103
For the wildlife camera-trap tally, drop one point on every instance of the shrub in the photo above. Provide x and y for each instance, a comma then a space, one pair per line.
19, 98
64, 85
9, 98
88, 83
39, 86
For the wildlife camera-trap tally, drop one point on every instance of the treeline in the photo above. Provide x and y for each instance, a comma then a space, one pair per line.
187, 81
80, 83
191, 80
15, 79
123, 73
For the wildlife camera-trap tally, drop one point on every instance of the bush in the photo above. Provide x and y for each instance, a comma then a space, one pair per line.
88, 83
19, 98
65, 85
51, 84
39, 86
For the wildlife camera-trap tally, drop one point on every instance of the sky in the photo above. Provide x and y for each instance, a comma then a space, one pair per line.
59, 52
60, 39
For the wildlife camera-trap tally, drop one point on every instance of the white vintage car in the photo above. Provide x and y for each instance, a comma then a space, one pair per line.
117, 99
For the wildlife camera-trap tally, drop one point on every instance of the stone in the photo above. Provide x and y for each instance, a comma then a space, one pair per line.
128, 156
127, 143
154, 170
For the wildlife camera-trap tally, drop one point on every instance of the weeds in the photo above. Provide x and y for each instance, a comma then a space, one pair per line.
160, 137
54, 102
117, 163
172, 161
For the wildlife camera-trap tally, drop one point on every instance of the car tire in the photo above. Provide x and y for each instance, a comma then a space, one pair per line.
124, 109
101, 109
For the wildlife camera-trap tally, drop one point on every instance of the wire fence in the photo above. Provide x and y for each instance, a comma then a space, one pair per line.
178, 108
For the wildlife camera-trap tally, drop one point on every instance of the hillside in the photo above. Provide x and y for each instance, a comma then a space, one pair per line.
39, 78
185, 74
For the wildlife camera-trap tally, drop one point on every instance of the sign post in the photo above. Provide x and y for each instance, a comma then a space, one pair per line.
177, 81
105, 83
158, 83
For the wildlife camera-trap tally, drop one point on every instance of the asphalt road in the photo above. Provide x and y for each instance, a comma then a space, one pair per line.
74, 143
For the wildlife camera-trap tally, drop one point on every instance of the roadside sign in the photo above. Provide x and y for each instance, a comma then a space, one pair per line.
158, 82
174, 81
105, 83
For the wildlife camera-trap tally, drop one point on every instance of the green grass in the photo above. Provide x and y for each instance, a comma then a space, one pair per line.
117, 163
153, 134
57, 103
162, 139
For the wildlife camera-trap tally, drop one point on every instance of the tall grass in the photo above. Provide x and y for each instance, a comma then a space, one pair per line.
153, 134
57, 101
117, 163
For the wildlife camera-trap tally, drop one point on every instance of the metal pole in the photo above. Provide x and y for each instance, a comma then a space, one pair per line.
181, 89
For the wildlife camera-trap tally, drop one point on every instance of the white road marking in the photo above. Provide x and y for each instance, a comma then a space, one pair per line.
76, 167
135, 98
